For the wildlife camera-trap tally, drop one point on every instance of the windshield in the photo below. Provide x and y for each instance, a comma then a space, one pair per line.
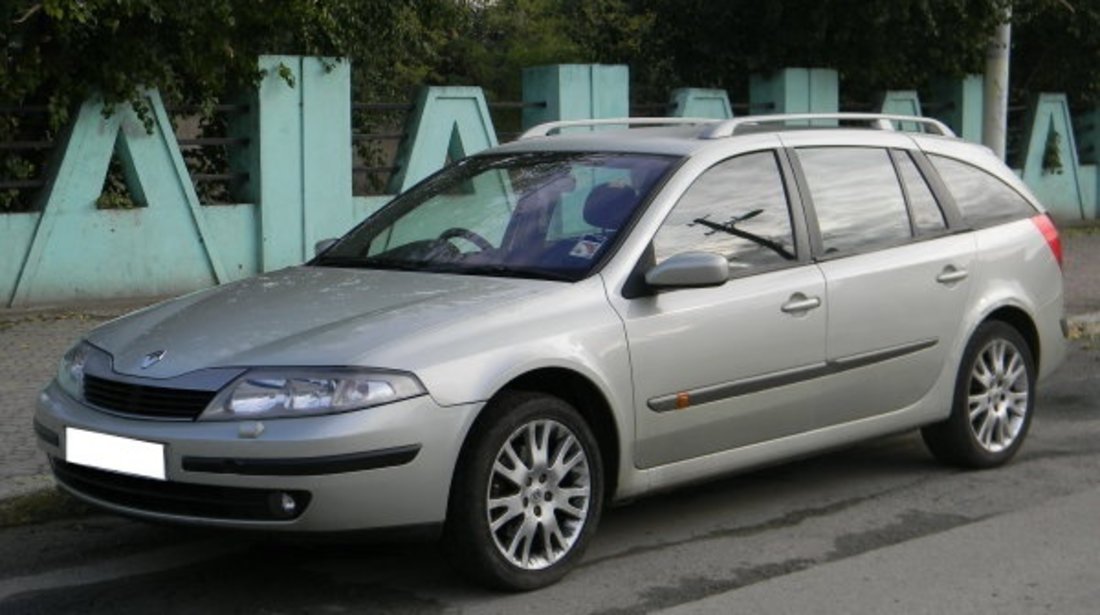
540, 215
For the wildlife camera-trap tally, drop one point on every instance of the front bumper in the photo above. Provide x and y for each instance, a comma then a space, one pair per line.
384, 467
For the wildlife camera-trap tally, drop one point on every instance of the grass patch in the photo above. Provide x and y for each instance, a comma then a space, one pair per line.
40, 507
1080, 229
1085, 334
46, 316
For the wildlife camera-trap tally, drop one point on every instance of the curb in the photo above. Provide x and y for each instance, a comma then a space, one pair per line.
96, 309
18, 486
1084, 320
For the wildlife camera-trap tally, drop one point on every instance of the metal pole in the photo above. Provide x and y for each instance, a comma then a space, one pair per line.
995, 118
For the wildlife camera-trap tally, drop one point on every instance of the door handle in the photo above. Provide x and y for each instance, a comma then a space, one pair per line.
799, 303
950, 275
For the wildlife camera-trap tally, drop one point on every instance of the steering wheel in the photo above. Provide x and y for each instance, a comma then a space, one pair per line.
470, 236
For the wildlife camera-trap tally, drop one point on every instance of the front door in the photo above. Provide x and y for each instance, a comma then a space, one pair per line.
717, 368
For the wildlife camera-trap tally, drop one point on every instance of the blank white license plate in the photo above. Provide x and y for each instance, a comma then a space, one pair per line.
115, 453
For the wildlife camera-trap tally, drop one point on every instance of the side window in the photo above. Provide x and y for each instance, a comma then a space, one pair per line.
927, 216
856, 196
983, 199
737, 208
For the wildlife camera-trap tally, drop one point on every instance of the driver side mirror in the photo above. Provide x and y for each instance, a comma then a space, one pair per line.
323, 245
690, 270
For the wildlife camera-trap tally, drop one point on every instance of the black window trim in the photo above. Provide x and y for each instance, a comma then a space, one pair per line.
897, 156
955, 222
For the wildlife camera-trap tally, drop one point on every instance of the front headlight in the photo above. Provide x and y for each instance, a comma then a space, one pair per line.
264, 394
70, 373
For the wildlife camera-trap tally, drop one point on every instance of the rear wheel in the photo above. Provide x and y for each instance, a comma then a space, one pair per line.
993, 404
527, 495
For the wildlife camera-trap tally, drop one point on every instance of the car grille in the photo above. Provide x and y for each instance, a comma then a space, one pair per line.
184, 499
145, 401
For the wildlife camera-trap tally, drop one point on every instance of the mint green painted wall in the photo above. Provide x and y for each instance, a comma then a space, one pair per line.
796, 90
78, 252
1089, 176
901, 102
16, 232
1058, 189
304, 156
365, 206
447, 122
233, 229
575, 92
699, 102
958, 103
299, 161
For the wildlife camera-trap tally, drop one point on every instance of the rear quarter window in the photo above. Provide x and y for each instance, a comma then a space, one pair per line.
982, 198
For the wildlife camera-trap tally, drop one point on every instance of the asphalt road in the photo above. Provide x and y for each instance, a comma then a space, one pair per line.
879, 527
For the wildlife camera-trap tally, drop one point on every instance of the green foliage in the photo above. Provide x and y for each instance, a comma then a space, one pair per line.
874, 44
116, 194
489, 44
58, 52
1055, 46
1052, 155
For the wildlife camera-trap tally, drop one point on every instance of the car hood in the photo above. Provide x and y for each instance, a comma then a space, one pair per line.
309, 316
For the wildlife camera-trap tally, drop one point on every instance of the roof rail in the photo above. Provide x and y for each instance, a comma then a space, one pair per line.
544, 130
728, 128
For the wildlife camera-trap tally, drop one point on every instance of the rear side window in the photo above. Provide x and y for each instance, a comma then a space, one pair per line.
856, 197
983, 199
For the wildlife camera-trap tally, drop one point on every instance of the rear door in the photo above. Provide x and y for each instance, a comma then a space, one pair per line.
897, 277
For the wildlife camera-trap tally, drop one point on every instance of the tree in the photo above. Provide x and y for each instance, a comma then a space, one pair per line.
874, 44
58, 52
1056, 44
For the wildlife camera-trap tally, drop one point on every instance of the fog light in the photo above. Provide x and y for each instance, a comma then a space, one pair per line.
283, 505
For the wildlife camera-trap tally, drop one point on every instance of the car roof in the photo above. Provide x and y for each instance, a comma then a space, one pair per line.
686, 136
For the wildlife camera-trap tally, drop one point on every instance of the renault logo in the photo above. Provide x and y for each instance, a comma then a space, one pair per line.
152, 358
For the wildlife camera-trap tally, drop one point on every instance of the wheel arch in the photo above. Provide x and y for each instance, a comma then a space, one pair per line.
584, 395
1023, 323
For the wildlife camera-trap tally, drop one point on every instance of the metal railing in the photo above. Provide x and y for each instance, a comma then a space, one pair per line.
208, 150
28, 146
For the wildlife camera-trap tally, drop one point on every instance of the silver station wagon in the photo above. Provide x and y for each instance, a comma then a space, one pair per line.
588, 314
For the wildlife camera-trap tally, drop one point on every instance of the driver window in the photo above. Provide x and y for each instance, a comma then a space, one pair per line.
737, 208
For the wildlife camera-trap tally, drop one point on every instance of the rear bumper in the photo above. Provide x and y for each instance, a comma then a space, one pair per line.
389, 466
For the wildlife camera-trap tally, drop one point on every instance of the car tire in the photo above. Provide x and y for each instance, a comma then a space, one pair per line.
993, 403
527, 493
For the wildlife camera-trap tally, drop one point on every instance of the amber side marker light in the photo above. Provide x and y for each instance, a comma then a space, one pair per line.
1045, 224
683, 400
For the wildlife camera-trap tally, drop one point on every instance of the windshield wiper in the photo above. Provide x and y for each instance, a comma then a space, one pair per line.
753, 237
367, 262
513, 272
339, 261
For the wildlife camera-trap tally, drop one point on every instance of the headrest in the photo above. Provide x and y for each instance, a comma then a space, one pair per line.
608, 207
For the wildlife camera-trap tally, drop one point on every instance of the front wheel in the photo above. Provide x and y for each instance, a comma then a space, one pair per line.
993, 404
528, 493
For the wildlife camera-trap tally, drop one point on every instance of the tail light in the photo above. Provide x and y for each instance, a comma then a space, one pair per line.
1046, 226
